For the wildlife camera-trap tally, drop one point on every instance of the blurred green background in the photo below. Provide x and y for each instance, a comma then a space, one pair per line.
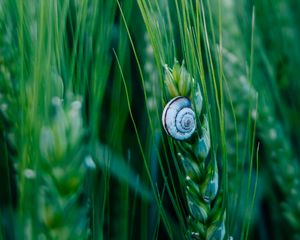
83, 154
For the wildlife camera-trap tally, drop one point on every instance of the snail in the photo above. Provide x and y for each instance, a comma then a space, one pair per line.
179, 119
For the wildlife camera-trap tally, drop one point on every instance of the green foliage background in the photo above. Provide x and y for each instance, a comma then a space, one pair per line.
83, 154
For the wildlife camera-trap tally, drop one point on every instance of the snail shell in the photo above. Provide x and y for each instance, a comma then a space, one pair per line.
179, 119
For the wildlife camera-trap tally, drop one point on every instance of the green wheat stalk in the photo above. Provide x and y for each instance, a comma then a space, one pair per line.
206, 218
62, 173
278, 128
50, 165
241, 115
270, 130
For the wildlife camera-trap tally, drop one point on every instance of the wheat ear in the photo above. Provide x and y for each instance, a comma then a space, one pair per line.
63, 210
206, 215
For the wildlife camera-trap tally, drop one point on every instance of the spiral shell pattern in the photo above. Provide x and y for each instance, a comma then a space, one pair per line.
178, 118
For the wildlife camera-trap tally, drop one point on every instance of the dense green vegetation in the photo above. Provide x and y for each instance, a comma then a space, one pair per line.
85, 148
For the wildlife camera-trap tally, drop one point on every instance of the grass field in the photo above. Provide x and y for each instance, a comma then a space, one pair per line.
150, 119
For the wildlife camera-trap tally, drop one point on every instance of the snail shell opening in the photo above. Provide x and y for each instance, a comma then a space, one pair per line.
179, 119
